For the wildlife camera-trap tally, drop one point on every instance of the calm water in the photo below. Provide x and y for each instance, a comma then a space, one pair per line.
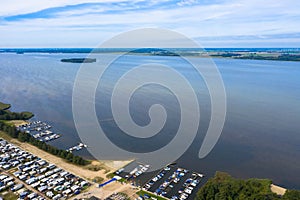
261, 136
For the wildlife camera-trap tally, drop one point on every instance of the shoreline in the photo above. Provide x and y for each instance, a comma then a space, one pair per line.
82, 171
272, 54
105, 167
111, 165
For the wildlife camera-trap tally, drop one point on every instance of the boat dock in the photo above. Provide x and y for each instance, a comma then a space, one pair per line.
39, 130
174, 182
171, 182
77, 147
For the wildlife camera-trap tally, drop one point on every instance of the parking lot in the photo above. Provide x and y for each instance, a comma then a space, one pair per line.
10, 184
174, 183
21, 169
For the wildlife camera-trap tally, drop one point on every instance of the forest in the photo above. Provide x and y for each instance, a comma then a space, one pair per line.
224, 187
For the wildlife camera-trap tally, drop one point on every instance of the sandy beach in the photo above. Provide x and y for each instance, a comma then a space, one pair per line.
19, 122
278, 190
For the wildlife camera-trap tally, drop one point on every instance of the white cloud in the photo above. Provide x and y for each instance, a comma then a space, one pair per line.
229, 18
14, 7
187, 2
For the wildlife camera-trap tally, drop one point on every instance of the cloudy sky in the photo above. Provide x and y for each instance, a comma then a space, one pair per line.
212, 23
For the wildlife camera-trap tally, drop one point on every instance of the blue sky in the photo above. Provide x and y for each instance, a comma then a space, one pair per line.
212, 23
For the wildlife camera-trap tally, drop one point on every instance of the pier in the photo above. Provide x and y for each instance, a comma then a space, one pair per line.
39, 130
77, 147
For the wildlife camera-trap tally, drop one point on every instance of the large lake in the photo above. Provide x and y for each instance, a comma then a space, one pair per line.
261, 136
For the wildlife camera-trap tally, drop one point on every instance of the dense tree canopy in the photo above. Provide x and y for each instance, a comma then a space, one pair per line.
5, 114
223, 187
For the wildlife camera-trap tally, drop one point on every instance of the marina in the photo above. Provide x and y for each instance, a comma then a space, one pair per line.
174, 183
171, 182
247, 121
139, 170
39, 130
132, 171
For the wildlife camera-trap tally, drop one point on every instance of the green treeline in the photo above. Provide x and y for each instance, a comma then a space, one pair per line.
282, 57
8, 115
224, 187
26, 137
255, 56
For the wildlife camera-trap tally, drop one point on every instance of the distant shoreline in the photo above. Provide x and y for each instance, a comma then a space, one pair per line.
275, 54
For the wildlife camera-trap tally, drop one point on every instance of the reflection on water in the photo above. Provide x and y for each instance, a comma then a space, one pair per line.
261, 135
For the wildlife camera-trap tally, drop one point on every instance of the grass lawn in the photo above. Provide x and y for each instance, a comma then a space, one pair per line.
9, 195
27, 115
98, 179
4, 106
5, 136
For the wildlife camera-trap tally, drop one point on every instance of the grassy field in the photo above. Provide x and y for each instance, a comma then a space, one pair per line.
6, 114
5, 136
27, 115
98, 179
8, 195
4, 106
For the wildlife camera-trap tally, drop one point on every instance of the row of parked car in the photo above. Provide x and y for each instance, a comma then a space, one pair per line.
8, 183
45, 177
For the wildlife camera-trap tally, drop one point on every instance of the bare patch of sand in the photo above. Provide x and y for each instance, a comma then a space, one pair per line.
108, 190
278, 190
18, 122
116, 164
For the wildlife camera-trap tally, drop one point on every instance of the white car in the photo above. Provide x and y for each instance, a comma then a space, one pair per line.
176, 180
193, 184
155, 179
191, 188
187, 190
167, 168
183, 196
